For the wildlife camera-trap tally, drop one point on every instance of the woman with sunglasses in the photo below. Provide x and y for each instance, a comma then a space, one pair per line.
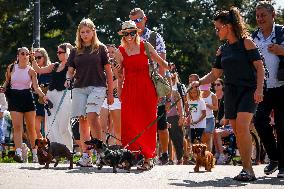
240, 61
58, 128
138, 95
21, 101
89, 64
42, 60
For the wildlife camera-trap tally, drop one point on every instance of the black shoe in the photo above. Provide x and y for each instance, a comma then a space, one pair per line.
164, 159
281, 173
271, 167
18, 158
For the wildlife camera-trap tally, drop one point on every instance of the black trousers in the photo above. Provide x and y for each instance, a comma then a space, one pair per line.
273, 99
176, 135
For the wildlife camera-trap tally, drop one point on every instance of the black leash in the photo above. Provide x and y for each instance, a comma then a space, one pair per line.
152, 123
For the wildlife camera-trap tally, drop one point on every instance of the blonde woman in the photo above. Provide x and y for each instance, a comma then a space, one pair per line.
58, 128
138, 96
42, 60
89, 65
21, 101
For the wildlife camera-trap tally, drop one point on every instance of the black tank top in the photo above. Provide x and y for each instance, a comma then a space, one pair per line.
58, 79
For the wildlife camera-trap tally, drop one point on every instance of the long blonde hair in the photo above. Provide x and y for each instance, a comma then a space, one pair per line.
79, 42
44, 53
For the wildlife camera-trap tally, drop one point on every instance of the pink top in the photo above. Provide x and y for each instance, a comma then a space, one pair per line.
20, 78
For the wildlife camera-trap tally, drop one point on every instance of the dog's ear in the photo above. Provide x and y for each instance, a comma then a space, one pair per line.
36, 142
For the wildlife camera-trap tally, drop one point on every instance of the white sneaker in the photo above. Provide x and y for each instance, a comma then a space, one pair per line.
85, 161
18, 155
35, 158
221, 160
25, 151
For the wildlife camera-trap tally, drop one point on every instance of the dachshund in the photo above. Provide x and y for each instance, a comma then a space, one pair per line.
47, 151
114, 156
203, 157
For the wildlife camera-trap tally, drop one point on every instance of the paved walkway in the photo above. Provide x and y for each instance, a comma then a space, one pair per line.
25, 176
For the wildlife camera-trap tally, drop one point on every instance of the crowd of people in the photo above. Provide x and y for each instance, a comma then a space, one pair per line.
109, 92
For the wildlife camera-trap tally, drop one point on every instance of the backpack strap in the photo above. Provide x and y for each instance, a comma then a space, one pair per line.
279, 33
152, 39
254, 34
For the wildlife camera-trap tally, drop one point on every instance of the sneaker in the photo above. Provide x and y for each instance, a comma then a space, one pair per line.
85, 161
164, 159
18, 158
271, 167
35, 158
25, 151
281, 173
221, 160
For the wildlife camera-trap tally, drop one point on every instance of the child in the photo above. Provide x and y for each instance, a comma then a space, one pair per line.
196, 118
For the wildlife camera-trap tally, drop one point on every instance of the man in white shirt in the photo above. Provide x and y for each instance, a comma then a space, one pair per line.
265, 38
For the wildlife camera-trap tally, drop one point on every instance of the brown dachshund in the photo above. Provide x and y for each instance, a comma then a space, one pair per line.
47, 151
203, 157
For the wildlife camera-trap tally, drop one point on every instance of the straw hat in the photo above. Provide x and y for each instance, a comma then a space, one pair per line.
128, 26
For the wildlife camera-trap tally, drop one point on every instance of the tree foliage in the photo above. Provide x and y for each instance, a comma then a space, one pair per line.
186, 26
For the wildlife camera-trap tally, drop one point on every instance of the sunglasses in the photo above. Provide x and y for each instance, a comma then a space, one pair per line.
217, 84
138, 20
60, 52
23, 54
219, 29
38, 57
132, 33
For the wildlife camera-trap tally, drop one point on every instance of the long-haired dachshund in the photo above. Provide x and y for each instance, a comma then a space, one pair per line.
47, 151
114, 156
203, 157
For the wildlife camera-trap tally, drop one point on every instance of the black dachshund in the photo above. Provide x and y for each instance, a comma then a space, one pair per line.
114, 156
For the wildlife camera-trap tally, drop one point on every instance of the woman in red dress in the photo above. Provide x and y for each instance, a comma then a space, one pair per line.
138, 94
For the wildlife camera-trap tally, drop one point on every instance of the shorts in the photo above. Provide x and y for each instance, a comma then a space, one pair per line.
115, 106
162, 122
39, 109
21, 101
210, 125
238, 99
196, 134
86, 100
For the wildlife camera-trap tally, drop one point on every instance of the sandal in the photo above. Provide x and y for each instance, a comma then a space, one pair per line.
145, 167
245, 177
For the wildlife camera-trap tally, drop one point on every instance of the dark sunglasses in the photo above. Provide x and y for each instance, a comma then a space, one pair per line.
217, 84
38, 57
138, 20
60, 52
23, 54
132, 33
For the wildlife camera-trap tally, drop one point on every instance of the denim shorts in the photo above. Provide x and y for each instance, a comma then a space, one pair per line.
86, 100
210, 125
115, 106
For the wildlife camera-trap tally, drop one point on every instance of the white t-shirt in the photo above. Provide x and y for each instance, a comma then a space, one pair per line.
195, 108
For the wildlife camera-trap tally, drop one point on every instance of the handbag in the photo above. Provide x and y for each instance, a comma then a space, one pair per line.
162, 86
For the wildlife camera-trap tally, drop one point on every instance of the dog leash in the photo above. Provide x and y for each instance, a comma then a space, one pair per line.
153, 122
57, 110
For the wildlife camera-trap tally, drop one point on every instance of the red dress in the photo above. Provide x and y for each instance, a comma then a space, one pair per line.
138, 103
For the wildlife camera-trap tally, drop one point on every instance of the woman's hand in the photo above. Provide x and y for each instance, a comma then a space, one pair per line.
181, 121
258, 95
2, 89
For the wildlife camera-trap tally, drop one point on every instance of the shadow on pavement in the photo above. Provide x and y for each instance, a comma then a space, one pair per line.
229, 182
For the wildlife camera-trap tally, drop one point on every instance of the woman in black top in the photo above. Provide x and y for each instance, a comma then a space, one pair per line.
58, 128
240, 61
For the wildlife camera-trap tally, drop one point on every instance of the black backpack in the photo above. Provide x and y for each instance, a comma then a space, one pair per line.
279, 38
